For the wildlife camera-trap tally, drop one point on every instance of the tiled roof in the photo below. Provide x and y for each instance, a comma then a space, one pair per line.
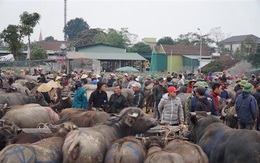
53, 45
156, 48
239, 39
185, 50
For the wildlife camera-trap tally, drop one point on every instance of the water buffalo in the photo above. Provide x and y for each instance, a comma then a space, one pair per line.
90, 144
229, 116
83, 118
21, 89
21, 99
125, 149
155, 152
46, 150
223, 144
29, 116
191, 153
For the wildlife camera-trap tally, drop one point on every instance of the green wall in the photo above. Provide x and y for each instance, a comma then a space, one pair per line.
159, 62
174, 63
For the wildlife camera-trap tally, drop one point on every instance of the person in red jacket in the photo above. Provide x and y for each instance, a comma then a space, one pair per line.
216, 90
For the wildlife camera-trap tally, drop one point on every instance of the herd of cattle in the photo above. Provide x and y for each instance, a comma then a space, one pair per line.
31, 131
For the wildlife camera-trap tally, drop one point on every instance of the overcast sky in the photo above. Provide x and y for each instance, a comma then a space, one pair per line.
156, 18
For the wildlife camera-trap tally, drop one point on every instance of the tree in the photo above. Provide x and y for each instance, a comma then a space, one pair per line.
91, 36
165, 41
75, 26
37, 52
216, 34
49, 38
140, 48
13, 36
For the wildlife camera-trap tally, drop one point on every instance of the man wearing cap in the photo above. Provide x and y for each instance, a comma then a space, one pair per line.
257, 97
80, 96
138, 100
246, 108
190, 85
98, 98
224, 92
158, 91
148, 81
170, 108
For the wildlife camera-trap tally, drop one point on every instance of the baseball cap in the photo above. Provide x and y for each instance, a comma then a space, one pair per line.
172, 89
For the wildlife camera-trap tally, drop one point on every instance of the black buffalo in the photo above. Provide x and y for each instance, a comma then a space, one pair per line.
223, 144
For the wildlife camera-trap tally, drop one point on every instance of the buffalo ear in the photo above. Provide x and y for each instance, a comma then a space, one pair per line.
129, 121
193, 119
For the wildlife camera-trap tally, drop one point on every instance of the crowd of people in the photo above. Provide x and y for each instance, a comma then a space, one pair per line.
204, 94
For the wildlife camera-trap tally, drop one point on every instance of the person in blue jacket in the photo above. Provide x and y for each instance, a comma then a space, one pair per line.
80, 96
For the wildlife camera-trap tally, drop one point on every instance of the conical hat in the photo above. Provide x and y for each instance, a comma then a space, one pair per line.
84, 76
44, 88
58, 77
53, 84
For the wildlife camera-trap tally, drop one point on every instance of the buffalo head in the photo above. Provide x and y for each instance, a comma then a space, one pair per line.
134, 121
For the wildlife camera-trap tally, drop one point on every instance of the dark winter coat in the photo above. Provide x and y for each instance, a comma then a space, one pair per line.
204, 104
117, 103
245, 106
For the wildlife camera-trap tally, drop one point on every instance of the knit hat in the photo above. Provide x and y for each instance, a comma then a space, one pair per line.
99, 85
248, 87
242, 82
44, 88
172, 89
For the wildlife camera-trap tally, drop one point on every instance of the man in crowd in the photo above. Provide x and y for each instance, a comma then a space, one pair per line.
138, 100
257, 97
170, 108
158, 92
246, 108
204, 103
117, 101
216, 90
98, 98
80, 96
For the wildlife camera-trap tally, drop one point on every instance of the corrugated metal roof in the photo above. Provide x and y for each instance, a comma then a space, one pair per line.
196, 56
105, 56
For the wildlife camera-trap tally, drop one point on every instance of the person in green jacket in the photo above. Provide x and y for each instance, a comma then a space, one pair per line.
80, 96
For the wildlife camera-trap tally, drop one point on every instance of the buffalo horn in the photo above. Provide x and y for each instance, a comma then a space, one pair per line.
192, 113
134, 115
223, 112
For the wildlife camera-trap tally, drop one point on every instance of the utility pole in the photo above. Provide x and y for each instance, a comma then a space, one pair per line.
200, 49
65, 17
